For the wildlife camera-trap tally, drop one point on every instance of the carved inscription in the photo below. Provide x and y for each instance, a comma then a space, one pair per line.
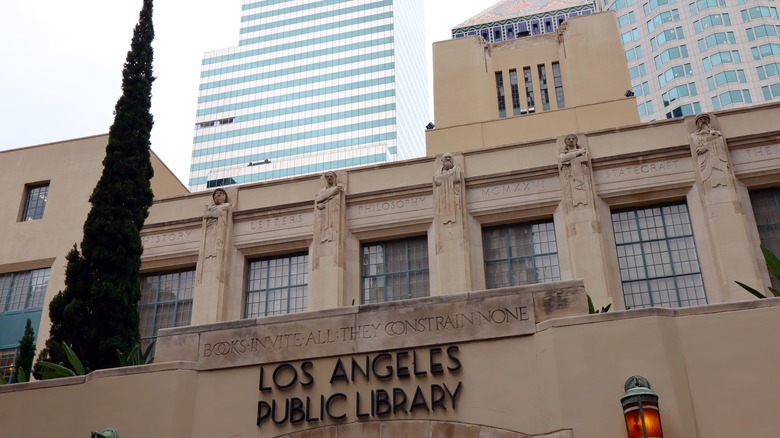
439, 387
385, 329
387, 206
276, 222
508, 189
166, 238
763, 152
642, 169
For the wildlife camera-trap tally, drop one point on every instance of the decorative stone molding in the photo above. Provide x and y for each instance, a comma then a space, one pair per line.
417, 428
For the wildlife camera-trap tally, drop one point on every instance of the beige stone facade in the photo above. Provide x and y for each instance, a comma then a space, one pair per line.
635, 166
447, 295
514, 375
69, 170
515, 361
593, 82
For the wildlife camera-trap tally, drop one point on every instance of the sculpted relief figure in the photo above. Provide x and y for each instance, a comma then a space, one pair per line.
216, 220
327, 205
447, 189
711, 153
216, 217
574, 171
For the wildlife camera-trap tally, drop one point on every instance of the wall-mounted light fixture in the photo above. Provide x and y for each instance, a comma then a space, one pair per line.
640, 409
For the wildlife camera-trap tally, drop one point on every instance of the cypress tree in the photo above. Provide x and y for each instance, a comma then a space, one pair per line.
97, 312
24, 359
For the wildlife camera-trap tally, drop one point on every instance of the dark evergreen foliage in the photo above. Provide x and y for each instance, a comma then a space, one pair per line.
24, 359
97, 313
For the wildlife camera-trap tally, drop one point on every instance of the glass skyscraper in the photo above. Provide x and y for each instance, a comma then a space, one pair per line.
313, 85
688, 57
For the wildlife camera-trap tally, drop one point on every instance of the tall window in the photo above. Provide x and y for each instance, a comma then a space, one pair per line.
657, 257
23, 290
520, 254
166, 301
529, 88
35, 201
277, 285
543, 87
395, 270
556, 68
515, 92
766, 208
500, 94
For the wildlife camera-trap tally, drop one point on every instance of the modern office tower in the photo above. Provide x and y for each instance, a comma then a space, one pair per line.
688, 57
510, 19
313, 85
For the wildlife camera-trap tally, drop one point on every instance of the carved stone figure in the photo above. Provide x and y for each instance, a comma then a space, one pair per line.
216, 220
574, 171
327, 205
561, 31
711, 153
447, 185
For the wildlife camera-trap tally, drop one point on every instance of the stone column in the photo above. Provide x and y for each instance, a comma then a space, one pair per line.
584, 236
212, 272
326, 280
450, 226
728, 230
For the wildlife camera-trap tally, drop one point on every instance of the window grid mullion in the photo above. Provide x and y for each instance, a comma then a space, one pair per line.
533, 256
158, 282
408, 285
9, 291
289, 284
384, 271
267, 287
644, 257
671, 262
509, 256
176, 299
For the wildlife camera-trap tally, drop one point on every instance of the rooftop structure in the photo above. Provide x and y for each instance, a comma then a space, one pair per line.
510, 19
529, 88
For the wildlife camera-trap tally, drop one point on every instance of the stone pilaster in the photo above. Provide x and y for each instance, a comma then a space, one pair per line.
214, 258
450, 226
326, 279
587, 254
728, 230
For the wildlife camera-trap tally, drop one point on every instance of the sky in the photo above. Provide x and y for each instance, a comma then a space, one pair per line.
61, 68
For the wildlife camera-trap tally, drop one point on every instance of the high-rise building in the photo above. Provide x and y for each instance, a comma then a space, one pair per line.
313, 85
683, 58
690, 57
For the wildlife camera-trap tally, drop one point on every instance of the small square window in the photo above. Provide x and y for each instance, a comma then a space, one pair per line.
35, 201
7, 359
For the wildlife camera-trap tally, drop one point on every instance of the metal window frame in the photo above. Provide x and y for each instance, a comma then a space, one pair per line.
508, 258
385, 273
156, 303
267, 290
641, 242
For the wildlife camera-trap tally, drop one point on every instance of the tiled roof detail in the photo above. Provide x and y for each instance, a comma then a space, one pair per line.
507, 9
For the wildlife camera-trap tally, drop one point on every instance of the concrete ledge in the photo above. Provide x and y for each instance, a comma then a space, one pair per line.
659, 311
99, 374
437, 320
417, 428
